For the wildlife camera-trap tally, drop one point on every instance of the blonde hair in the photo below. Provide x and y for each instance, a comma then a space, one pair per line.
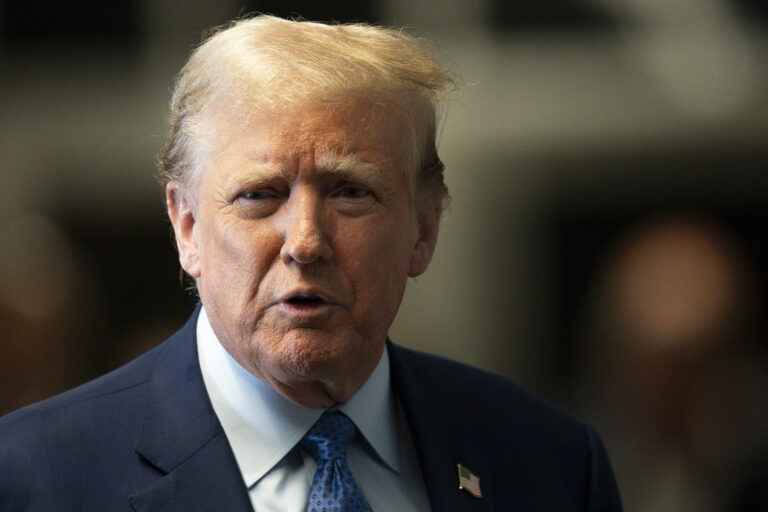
271, 65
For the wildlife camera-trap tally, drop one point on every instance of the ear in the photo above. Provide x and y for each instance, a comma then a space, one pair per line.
428, 226
182, 215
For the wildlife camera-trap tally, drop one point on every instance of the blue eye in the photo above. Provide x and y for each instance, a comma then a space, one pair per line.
255, 195
354, 192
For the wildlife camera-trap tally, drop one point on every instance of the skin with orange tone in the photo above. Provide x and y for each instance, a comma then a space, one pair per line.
301, 232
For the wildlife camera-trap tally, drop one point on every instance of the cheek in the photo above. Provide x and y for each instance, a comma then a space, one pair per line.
379, 259
236, 257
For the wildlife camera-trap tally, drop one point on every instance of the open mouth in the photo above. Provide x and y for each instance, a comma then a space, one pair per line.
305, 301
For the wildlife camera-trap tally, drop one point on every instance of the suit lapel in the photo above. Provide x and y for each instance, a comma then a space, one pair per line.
439, 445
182, 437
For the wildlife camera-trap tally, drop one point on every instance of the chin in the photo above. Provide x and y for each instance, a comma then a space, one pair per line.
313, 382
309, 359
299, 355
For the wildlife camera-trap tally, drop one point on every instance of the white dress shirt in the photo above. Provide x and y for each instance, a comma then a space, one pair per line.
264, 428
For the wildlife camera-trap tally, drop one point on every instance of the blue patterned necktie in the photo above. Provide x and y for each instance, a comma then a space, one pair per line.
333, 488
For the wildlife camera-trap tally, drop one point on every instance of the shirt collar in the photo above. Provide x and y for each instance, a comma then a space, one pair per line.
262, 426
372, 409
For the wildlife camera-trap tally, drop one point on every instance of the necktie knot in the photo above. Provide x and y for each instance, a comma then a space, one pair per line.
329, 436
333, 487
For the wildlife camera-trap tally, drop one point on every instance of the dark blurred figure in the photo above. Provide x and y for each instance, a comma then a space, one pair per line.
46, 310
671, 328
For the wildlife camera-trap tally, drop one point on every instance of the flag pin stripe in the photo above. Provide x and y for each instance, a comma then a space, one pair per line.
469, 481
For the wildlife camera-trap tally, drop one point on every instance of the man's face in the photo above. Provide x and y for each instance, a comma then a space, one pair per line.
301, 234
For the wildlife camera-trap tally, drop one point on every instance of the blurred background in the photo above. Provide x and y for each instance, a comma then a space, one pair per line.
605, 246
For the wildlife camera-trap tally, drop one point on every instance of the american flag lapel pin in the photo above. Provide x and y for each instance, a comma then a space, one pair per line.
468, 481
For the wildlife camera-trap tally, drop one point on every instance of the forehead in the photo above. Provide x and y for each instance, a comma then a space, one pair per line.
366, 132
360, 142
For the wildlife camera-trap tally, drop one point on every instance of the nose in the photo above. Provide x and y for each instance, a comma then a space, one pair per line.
305, 231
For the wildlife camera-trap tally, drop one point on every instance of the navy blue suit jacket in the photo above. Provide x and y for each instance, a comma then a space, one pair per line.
145, 438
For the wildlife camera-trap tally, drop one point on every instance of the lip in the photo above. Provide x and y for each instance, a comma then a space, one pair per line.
321, 301
307, 293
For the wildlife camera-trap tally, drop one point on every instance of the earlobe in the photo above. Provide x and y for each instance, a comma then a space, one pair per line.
182, 217
419, 260
428, 225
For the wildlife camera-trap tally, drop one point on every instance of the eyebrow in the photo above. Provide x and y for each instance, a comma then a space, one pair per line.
330, 162
258, 173
349, 166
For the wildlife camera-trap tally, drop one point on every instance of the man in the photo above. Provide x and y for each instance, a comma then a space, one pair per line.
304, 188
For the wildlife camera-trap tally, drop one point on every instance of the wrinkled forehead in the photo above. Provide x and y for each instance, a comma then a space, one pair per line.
359, 137
339, 135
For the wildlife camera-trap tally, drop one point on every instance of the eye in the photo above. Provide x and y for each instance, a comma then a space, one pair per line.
352, 192
353, 200
256, 195
257, 202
